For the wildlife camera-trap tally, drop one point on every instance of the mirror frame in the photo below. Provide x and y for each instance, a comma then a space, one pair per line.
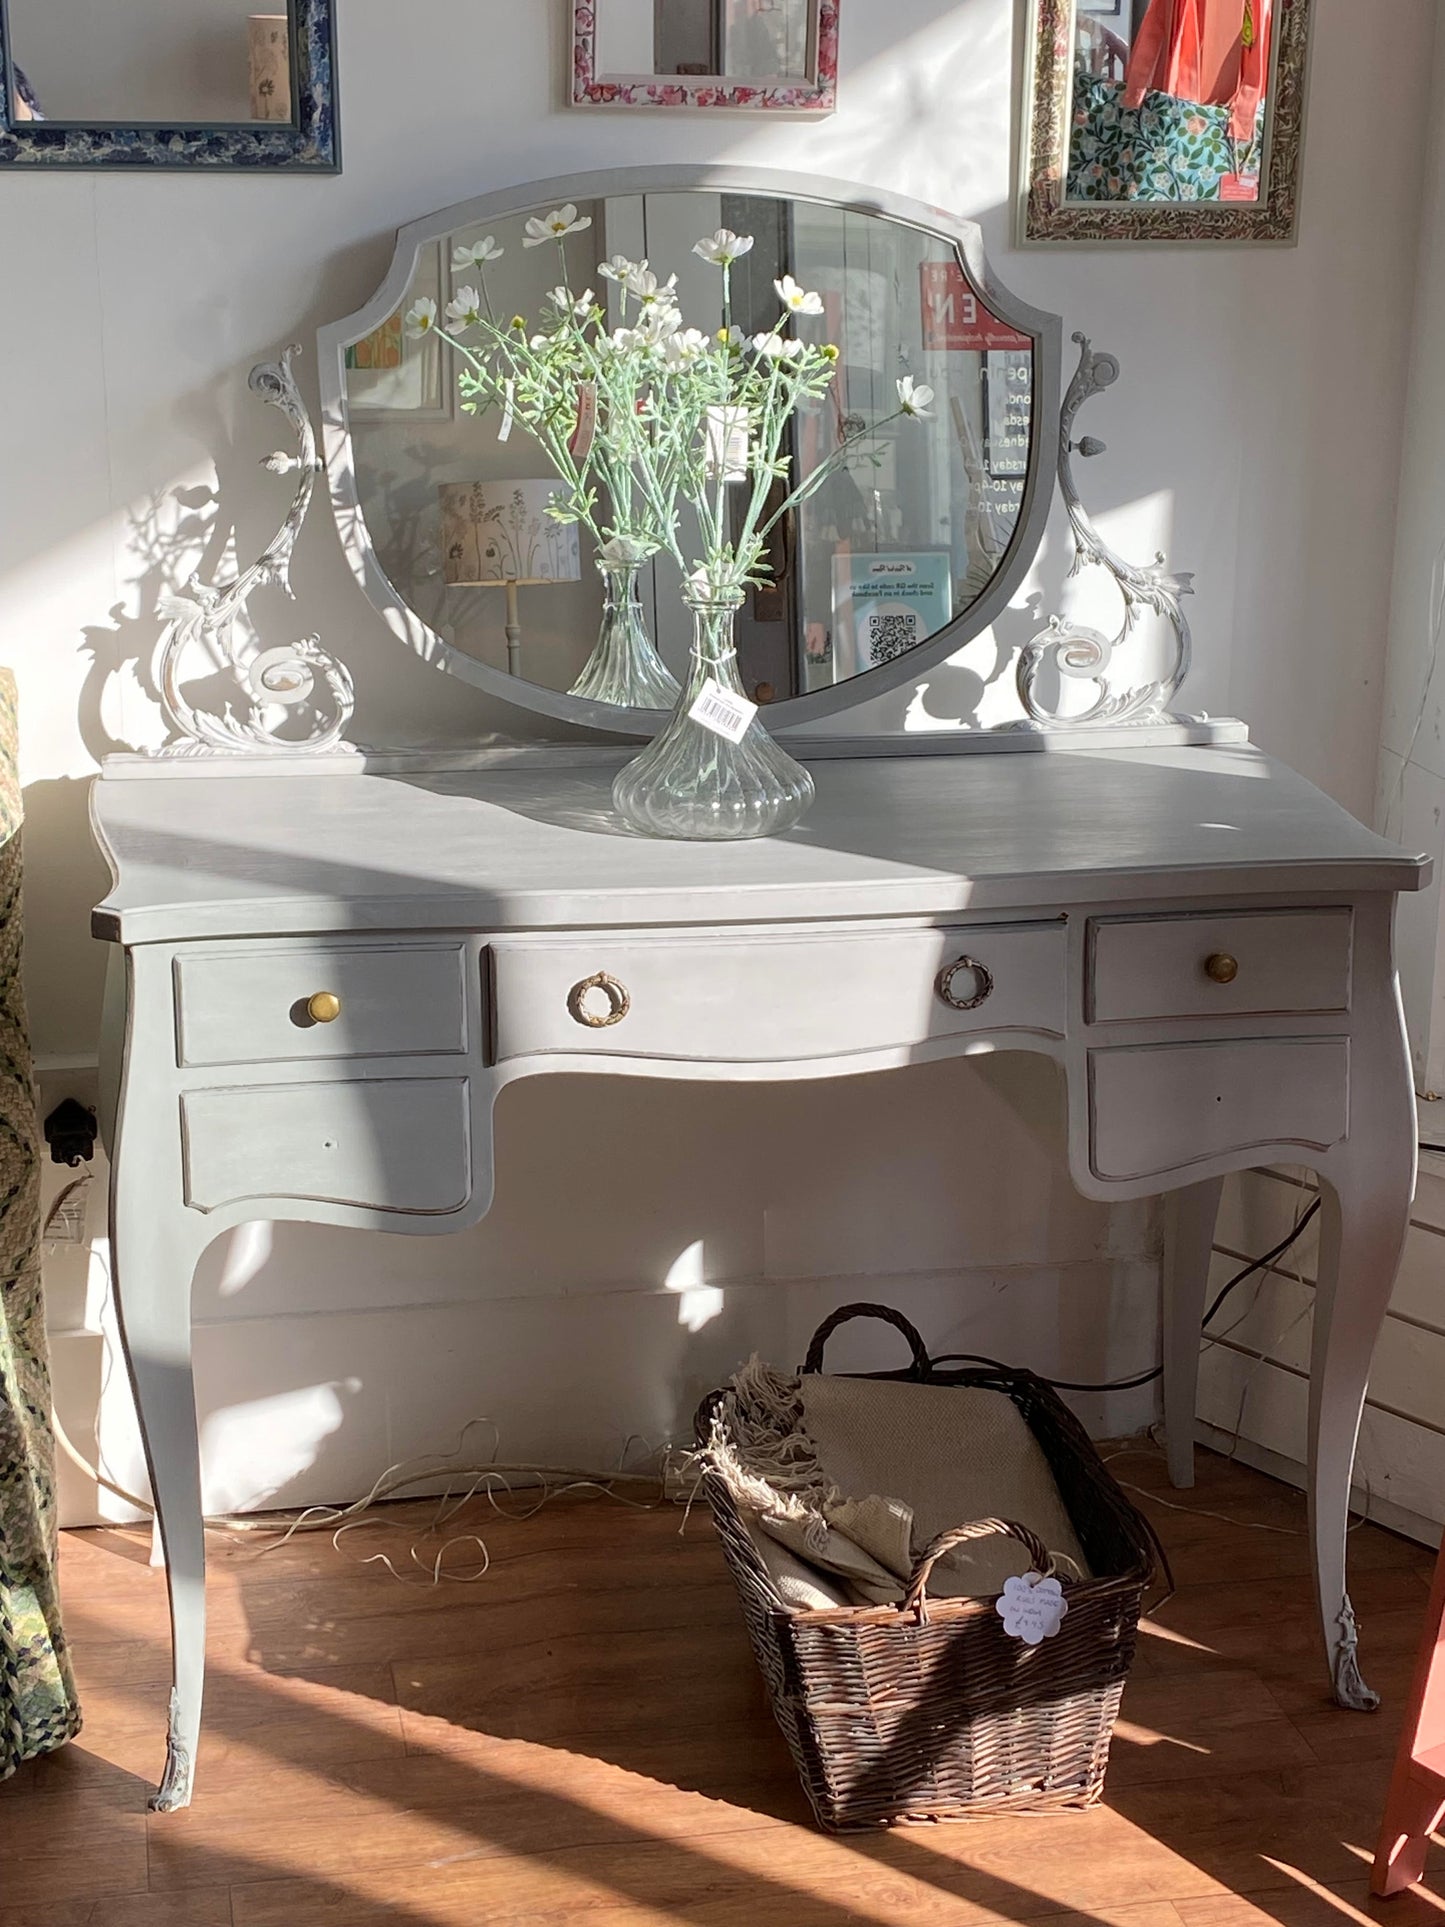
408, 626
816, 94
308, 143
1043, 213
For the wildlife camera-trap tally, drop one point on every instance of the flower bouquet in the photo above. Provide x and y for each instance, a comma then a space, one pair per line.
641, 417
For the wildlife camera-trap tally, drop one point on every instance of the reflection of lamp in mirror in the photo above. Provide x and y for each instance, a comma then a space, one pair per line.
501, 535
270, 43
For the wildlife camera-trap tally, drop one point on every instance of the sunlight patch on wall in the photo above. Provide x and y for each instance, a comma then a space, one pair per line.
274, 1439
699, 1302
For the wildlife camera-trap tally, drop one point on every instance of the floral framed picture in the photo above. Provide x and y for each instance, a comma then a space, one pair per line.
778, 56
1156, 121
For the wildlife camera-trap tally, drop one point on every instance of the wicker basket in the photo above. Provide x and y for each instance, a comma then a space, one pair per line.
929, 1710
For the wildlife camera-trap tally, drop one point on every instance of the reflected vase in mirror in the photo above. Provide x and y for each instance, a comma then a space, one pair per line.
695, 780
625, 667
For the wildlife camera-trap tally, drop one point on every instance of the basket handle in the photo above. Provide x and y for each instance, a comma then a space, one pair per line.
921, 1364
915, 1600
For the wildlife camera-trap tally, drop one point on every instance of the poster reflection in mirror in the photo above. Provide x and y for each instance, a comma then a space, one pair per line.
1172, 120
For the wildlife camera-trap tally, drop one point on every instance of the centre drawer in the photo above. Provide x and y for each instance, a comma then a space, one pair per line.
310, 1001
752, 999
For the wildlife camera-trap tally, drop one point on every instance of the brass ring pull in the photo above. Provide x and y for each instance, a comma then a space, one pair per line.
619, 1003
1221, 968
324, 1007
982, 974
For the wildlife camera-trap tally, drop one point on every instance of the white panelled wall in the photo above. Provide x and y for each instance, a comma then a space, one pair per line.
1254, 1382
646, 1237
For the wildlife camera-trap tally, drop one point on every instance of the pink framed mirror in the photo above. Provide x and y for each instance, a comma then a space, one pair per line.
777, 56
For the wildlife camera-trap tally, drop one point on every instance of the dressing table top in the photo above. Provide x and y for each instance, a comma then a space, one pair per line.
538, 847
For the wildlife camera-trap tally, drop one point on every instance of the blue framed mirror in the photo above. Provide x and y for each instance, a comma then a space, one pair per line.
212, 83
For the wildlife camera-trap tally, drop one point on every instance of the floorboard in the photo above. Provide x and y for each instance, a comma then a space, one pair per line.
580, 1735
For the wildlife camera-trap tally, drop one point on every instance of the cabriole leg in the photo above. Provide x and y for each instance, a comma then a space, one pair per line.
1362, 1237
153, 1265
1189, 1244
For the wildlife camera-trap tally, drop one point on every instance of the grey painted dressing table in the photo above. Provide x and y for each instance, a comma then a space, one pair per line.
325, 971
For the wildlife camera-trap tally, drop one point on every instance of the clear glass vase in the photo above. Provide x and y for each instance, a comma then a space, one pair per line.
625, 666
692, 783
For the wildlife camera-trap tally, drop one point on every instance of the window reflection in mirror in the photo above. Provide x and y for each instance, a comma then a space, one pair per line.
131, 62
739, 39
892, 547
1170, 100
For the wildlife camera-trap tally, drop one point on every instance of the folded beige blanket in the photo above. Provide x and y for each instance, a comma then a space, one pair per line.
843, 1482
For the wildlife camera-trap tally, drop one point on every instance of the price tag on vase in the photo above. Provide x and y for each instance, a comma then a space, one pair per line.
722, 711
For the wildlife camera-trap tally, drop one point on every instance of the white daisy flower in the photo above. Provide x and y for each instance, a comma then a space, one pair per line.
464, 310
684, 347
564, 299
796, 299
421, 319
619, 268
725, 247
648, 289
477, 255
552, 227
915, 398
776, 347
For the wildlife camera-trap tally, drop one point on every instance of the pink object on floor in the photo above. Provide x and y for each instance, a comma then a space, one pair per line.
1416, 1800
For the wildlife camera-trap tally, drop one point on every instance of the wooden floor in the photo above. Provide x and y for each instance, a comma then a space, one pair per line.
582, 1737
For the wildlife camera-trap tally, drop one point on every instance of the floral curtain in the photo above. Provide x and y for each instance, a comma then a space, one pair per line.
38, 1707
1162, 150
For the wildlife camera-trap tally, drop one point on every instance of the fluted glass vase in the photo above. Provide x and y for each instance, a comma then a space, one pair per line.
693, 783
625, 666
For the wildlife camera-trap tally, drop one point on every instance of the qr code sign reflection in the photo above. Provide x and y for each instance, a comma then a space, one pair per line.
890, 633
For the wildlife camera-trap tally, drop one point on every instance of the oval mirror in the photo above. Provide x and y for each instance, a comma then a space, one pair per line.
911, 545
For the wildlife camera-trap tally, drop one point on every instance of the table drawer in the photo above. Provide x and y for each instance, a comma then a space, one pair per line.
249, 1005
1251, 964
757, 998
401, 1145
1157, 1109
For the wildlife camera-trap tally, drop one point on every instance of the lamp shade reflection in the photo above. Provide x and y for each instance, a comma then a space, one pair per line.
502, 534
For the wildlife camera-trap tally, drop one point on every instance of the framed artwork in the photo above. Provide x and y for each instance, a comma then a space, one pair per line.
120, 87
388, 374
760, 55
1153, 121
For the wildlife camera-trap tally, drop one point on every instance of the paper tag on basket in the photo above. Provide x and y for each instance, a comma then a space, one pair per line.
724, 713
1032, 1608
583, 436
505, 431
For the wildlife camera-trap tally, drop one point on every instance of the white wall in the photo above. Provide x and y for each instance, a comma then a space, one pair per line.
1256, 435
1411, 802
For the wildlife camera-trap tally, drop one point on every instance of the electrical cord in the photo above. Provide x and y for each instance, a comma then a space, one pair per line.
1148, 1378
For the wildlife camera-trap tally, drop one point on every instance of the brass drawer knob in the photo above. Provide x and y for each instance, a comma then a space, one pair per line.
977, 979
618, 1002
324, 1007
1221, 968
